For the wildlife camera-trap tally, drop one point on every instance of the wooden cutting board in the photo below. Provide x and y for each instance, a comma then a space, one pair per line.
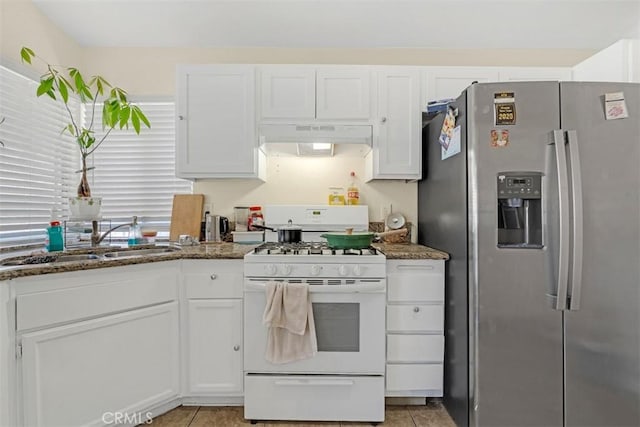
186, 215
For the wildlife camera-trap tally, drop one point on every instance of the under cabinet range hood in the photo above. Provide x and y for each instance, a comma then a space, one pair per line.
315, 139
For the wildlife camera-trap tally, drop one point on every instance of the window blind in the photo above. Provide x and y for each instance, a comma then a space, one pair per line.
135, 174
37, 162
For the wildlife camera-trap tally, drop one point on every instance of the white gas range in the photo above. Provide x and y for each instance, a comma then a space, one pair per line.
344, 381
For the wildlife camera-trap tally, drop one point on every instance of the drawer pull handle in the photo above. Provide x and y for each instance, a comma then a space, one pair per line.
236, 347
214, 277
415, 267
416, 309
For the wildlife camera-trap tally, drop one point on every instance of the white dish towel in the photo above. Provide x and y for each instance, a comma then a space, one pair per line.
288, 315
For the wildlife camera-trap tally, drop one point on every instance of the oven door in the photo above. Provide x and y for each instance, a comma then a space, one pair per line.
350, 329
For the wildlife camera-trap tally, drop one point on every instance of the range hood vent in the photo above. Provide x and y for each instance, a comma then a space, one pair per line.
315, 139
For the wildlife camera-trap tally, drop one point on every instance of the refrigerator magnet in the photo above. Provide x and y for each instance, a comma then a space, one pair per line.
447, 128
615, 106
454, 145
499, 138
504, 107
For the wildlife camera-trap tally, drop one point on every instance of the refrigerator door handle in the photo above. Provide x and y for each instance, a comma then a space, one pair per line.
577, 228
563, 193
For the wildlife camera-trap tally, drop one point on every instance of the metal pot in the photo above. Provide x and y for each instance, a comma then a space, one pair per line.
288, 234
349, 240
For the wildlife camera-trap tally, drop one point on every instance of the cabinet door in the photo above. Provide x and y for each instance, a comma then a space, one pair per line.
527, 74
74, 374
287, 92
215, 347
398, 148
216, 135
449, 82
343, 93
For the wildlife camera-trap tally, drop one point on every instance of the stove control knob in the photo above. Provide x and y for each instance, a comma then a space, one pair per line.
271, 269
315, 270
357, 270
286, 270
343, 270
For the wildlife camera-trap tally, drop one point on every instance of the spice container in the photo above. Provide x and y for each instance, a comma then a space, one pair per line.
255, 217
336, 196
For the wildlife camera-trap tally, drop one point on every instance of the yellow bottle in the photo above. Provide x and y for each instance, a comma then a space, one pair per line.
353, 194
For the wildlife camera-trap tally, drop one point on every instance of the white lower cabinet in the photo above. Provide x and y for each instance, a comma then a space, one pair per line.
415, 328
215, 339
90, 348
82, 373
214, 354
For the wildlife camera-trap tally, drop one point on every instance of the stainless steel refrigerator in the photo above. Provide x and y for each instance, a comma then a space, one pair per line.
540, 212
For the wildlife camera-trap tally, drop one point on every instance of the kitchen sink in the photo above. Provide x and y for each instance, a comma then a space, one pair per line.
139, 252
72, 258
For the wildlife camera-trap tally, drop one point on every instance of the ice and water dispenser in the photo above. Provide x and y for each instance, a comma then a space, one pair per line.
519, 210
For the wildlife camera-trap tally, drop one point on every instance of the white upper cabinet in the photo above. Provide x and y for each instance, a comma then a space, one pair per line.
287, 92
449, 82
528, 74
619, 62
396, 151
216, 126
343, 93
314, 92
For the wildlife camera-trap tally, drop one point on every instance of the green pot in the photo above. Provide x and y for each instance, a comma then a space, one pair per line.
348, 241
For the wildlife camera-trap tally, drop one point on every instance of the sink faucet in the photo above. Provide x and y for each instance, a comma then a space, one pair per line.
96, 237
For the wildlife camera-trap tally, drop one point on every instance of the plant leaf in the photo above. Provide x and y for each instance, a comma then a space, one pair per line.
135, 121
64, 92
26, 54
125, 113
45, 86
51, 94
142, 116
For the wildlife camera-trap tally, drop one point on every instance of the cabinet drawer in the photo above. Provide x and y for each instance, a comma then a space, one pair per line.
415, 348
415, 318
292, 397
80, 295
415, 281
212, 278
415, 377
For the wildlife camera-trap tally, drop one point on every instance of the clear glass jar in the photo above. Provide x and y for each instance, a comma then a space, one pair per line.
241, 218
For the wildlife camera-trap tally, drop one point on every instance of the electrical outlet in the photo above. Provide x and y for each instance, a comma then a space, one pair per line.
384, 212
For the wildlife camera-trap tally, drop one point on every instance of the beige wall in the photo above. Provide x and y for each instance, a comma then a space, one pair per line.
22, 24
293, 180
151, 72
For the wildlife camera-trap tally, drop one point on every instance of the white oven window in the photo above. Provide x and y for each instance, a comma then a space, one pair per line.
337, 326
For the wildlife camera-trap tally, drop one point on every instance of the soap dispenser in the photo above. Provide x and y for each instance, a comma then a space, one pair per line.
135, 233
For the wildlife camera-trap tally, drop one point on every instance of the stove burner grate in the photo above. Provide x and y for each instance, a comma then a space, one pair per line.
308, 248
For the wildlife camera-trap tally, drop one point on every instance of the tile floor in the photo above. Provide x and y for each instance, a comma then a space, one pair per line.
431, 415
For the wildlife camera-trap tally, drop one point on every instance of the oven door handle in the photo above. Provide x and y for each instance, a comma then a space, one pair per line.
362, 288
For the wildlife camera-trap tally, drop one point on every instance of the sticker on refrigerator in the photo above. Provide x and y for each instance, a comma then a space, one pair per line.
454, 145
447, 128
615, 106
499, 138
504, 107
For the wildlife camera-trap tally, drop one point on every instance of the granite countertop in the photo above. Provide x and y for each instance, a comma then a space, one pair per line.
410, 251
204, 251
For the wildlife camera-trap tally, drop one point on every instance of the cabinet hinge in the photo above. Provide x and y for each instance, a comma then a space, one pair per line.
19, 351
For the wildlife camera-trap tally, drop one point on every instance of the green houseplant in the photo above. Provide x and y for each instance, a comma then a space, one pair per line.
117, 111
